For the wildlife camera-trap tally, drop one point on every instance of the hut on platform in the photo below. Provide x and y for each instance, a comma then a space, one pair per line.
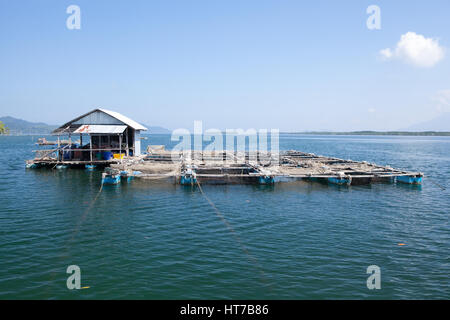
103, 135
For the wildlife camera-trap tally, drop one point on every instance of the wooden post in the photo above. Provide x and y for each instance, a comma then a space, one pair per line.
81, 146
120, 147
59, 151
70, 145
90, 145
126, 139
132, 145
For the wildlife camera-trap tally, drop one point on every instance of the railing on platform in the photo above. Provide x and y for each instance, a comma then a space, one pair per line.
63, 153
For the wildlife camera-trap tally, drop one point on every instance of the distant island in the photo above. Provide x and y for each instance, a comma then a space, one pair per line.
14, 126
22, 127
438, 126
375, 133
18, 127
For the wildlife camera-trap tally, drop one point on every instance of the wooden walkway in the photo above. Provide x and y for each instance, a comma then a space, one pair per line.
243, 168
229, 168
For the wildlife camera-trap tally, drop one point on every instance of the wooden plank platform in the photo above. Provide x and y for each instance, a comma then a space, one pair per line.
239, 167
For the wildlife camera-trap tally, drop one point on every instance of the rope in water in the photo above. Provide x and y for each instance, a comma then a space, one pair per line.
437, 184
75, 232
87, 211
233, 232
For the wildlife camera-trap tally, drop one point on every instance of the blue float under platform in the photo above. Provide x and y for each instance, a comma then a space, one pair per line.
340, 181
410, 179
266, 180
188, 180
111, 179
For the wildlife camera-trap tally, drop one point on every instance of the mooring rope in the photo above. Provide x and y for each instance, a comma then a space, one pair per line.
87, 211
234, 233
437, 184
75, 232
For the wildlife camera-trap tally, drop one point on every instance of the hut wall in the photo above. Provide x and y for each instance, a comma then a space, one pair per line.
98, 118
137, 142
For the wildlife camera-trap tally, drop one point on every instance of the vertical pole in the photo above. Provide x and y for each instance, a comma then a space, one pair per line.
120, 147
126, 139
70, 146
59, 146
81, 146
90, 146
132, 145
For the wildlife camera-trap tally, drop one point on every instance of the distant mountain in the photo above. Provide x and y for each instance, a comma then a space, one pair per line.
156, 130
440, 123
22, 127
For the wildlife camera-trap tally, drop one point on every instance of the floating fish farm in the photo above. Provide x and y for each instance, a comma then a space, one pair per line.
237, 168
110, 141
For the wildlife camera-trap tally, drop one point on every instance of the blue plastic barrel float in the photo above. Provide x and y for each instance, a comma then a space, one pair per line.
188, 180
110, 179
410, 179
126, 176
107, 155
67, 154
266, 180
340, 181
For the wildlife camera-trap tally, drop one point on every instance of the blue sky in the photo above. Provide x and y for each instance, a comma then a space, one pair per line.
292, 65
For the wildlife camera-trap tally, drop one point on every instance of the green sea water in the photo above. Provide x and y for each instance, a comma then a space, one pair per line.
156, 240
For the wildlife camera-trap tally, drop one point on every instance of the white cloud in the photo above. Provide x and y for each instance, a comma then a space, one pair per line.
371, 110
386, 54
415, 49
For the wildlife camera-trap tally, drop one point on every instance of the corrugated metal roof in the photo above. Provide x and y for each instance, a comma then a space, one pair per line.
86, 119
124, 119
99, 128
